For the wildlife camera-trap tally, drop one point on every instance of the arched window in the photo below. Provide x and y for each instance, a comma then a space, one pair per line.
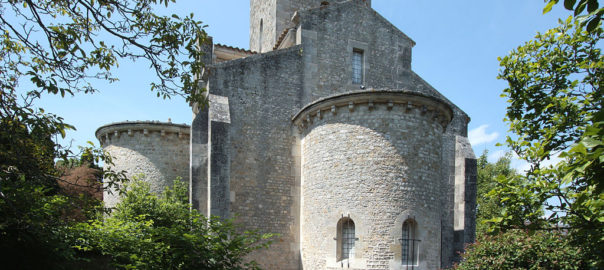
260, 36
410, 243
346, 238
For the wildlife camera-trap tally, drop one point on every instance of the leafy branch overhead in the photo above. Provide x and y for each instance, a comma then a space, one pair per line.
62, 45
555, 101
554, 85
594, 12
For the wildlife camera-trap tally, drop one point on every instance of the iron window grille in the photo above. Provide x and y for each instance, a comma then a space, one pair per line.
347, 238
410, 244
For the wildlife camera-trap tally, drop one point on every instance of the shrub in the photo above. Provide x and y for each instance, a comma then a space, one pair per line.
517, 249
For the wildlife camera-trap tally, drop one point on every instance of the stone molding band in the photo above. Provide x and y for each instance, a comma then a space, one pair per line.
439, 111
103, 133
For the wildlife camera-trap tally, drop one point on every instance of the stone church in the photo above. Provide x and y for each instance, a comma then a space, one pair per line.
322, 133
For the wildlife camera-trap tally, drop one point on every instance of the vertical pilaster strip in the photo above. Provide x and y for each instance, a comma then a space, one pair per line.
465, 194
448, 191
219, 169
311, 66
471, 173
219, 157
198, 151
198, 185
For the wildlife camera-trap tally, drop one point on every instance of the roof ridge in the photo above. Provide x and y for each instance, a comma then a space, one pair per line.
281, 37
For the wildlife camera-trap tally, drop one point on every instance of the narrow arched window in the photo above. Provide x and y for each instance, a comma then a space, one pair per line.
410, 243
260, 36
346, 238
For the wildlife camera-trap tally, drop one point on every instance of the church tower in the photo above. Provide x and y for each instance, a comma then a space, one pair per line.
270, 18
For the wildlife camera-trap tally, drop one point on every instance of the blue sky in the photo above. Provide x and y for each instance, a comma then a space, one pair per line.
458, 43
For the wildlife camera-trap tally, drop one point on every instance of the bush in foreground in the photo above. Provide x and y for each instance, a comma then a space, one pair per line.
148, 231
518, 249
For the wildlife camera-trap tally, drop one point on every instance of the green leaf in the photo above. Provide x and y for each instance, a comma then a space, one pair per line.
581, 7
593, 24
592, 6
569, 4
590, 143
549, 6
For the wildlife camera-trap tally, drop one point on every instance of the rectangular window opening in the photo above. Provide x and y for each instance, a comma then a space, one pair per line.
357, 66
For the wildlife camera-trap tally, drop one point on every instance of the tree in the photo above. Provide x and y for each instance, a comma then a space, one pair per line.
518, 249
64, 47
594, 12
81, 182
31, 206
513, 248
488, 206
61, 46
555, 100
147, 231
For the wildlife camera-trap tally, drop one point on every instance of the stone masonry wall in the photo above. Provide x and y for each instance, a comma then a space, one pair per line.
330, 34
276, 16
379, 165
263, 94
459, 189
264, 10
157, 151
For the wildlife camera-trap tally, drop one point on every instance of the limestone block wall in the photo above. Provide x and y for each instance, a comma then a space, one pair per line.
374, 157
251, 160
276, 16
459, 189
157, 151
263, 11
330, 34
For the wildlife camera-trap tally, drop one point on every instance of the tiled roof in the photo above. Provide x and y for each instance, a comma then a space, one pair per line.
235, 48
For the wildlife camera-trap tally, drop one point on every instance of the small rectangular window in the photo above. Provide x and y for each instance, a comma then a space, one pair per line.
357, 66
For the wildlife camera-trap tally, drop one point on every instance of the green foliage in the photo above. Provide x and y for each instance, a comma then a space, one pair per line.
31, 207
147, 231
488, 206
582, 185
555, 100
31, 225
593, 15
62, 45
554, 85
517, 249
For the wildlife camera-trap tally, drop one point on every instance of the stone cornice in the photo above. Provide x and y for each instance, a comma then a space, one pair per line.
437, 109
146, 127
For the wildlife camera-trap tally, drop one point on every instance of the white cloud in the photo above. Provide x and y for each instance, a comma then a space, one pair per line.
495, 156
522, 166
552, 161
479, 136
